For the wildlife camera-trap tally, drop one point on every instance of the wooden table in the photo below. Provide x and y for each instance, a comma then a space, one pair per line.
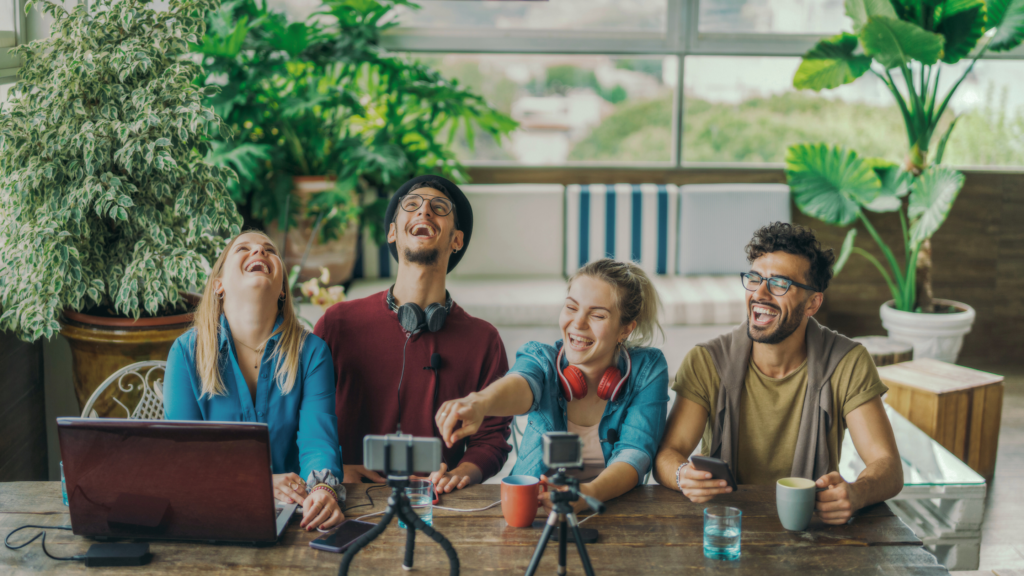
650, 530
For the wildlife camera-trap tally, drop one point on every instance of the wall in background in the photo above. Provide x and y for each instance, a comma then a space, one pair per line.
978, 254
22, 424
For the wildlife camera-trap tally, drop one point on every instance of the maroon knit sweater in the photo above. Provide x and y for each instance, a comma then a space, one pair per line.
366, 343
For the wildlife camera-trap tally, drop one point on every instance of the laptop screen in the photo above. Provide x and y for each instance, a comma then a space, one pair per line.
168, 479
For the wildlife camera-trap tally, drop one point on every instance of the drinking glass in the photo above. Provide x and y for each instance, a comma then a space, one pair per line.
722, 528
419, 493
63, 485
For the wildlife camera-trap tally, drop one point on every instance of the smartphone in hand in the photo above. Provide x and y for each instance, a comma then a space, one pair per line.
719, 469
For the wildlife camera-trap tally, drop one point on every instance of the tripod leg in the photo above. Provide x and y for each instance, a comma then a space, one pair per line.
562, 533
580, 546
539, 551
365, 539
410, 546
408, 515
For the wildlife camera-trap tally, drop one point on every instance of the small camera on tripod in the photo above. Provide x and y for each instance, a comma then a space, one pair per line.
562, 450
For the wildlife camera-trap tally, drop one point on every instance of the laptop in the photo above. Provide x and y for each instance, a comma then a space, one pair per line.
162, 479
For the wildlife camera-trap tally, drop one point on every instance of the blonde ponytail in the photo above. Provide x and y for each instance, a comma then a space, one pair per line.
206, 323
637, 298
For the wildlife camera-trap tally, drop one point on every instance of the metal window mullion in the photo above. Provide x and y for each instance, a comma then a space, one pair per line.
525, 41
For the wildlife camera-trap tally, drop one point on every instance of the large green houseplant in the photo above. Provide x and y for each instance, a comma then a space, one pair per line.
321, 98
106, 204
907, 45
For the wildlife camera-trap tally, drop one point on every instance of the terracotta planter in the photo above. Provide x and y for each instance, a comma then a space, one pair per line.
338, 256
101, 346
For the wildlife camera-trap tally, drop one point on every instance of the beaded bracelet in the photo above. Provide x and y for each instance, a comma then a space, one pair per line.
678, 472
325, 487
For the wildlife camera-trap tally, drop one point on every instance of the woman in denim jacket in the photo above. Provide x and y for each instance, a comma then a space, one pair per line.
610, 389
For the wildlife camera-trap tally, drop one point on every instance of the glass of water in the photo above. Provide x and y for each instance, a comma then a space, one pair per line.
722, 528
63, 485
420, 494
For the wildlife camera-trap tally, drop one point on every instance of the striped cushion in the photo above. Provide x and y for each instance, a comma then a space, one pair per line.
623, 221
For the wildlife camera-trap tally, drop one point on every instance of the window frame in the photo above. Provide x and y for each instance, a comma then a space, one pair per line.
9, 65
682, 38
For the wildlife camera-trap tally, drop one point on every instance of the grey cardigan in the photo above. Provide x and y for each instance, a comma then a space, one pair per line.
730, 354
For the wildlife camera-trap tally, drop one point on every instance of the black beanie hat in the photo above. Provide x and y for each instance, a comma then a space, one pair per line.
463, 213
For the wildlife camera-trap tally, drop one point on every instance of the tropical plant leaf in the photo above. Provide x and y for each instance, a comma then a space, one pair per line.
860, 11
844, 252
940, 151
962, 30
831, 63
830, 183
931, 199
893, 42
1007, 17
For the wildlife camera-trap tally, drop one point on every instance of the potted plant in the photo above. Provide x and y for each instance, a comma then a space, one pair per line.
107, 210
907, 45
327, 120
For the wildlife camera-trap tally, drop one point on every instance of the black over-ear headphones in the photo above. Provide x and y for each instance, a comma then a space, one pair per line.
414, 319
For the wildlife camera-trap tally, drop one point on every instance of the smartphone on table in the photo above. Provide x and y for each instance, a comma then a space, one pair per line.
341, 538
719, 469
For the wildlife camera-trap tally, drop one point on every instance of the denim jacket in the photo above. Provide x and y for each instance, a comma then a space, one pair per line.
302, 424
638, 414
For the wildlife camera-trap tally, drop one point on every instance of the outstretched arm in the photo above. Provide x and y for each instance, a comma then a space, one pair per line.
882, 477
509, 396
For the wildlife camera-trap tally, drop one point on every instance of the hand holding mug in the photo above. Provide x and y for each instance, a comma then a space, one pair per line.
698, 486
470, 410
837, 504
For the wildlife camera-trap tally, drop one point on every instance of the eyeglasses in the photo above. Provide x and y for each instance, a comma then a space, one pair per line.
776, 285
438, 205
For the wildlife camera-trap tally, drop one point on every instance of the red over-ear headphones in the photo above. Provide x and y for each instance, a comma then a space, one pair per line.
574, 385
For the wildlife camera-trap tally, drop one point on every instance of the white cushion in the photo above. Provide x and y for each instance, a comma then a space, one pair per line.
716, 221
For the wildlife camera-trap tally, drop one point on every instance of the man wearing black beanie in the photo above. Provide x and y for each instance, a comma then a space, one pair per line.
401, 353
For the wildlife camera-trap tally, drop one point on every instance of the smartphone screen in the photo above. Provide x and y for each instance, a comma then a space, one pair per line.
343, 537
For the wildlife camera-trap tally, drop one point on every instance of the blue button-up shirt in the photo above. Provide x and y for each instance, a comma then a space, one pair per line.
302, 424
637, 414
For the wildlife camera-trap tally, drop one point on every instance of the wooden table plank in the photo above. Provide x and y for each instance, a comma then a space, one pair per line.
630, 542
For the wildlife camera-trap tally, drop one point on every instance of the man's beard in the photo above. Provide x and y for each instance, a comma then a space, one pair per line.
784, 327
425, 257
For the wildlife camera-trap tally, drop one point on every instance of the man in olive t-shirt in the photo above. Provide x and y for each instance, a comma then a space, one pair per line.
763, 427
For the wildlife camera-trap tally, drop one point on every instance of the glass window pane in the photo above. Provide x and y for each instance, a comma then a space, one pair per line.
571, 108
990, 131
297, 10
745, 109
773, 16
620, 15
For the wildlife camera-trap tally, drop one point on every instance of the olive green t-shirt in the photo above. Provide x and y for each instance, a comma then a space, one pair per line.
770, 410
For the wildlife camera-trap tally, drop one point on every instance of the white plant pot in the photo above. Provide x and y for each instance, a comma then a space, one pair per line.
937, 336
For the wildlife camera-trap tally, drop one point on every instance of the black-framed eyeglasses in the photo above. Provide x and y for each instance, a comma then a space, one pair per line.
438, 205
777, 285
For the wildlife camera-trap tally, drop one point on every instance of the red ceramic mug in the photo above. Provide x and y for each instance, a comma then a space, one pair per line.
519, 500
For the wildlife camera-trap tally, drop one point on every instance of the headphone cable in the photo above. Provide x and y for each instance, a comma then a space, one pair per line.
398, 394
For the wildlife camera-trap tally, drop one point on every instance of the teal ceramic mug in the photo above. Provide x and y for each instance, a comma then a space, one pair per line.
794, 498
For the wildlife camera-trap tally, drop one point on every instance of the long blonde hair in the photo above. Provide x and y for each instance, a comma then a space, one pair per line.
637, 298
207, 326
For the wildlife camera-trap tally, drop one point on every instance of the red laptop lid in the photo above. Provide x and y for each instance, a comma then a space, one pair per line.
168, 479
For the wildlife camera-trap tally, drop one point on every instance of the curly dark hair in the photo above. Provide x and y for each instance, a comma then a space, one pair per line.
797, 240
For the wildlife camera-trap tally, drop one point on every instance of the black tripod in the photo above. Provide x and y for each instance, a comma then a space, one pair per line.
398, 504
564, 517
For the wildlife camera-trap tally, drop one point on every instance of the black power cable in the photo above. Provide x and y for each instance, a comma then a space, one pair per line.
7, 543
